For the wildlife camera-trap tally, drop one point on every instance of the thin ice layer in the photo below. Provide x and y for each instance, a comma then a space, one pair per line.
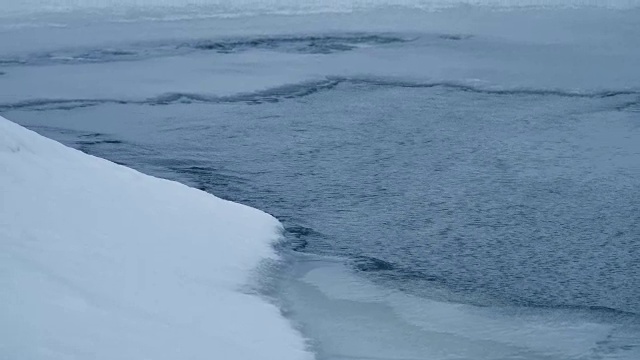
228, 7
99, 261
350, 317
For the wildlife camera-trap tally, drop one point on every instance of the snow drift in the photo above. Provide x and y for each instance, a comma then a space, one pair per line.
98, 261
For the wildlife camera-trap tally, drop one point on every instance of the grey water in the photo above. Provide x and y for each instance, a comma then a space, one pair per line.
495, 173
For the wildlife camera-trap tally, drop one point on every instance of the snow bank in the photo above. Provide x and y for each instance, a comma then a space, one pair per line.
98, 261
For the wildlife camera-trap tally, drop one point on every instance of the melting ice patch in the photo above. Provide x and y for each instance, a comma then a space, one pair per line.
309, 44
350, 317
100, 261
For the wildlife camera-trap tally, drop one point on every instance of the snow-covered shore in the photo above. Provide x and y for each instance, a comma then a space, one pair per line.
100, 261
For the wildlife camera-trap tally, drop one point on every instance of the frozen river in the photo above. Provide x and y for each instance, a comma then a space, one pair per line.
455, 184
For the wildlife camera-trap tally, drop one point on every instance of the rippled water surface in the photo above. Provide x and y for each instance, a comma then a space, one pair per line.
495, 174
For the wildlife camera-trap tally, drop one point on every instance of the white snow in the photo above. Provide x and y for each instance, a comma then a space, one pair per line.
98, 261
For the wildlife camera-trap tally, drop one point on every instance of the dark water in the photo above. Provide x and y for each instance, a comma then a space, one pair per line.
510, 198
